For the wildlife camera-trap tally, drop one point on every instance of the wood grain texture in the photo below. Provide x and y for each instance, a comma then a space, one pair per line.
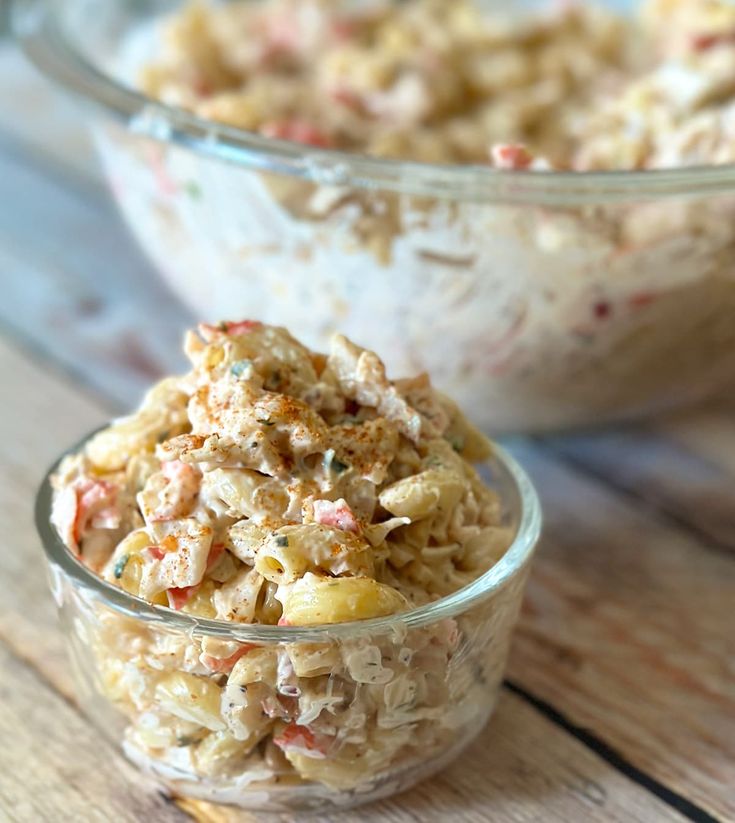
627, 631
36, 424
54, 766
522, 768
710, 434
72, 277
29, 104
690, 487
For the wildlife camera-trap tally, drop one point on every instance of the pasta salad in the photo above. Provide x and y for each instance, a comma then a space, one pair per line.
582, 87
274, 485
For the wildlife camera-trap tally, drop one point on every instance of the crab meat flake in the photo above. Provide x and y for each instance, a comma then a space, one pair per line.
87, 503
298, 131
301, 740
230, 328
178, 598
336, 513
224, 665
511, 156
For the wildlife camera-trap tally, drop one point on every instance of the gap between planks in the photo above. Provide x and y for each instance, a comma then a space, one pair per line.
53, 765
650, 463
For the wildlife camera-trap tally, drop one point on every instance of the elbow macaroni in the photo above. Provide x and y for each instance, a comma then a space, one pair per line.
314, 600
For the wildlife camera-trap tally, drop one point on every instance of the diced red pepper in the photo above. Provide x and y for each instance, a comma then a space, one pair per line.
343, 28
704, 42
214, 554
282, 32
224, 665
176, 470
300, 736
337, 514
166, 184
202, 87
178, 598
346, 97
299, 131
511, 156
638, 301
231, 327
242, 326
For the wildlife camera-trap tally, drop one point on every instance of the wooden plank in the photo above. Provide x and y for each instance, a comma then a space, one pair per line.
37, 426
522, 768
689, 486
30, 103
73, 279
627, 631
710, 434
55, 766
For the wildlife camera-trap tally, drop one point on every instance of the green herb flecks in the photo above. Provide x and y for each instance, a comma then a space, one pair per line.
120, 566
457, 443
273, 381
193, 189
241, 368
264, 421
338, 466
333, 463
281, 541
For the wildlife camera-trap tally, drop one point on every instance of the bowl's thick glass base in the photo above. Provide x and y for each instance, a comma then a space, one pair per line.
313, 797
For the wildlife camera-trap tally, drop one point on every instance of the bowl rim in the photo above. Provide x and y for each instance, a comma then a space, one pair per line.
516, 557
37, 26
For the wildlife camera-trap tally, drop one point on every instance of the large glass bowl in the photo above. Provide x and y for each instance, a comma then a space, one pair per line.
145, 679
538, 300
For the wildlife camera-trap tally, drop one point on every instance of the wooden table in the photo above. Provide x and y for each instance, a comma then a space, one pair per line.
619, 701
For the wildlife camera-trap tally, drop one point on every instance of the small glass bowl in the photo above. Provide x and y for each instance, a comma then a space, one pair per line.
409, 692
537, 300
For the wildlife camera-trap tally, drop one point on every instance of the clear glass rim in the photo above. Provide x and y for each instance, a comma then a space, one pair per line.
511, 563
39, 29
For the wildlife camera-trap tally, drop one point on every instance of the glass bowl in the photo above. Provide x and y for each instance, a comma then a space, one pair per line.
160, 682
538, 300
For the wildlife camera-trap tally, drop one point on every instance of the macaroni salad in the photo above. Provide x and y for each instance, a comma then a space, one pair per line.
273, 485
425, 80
